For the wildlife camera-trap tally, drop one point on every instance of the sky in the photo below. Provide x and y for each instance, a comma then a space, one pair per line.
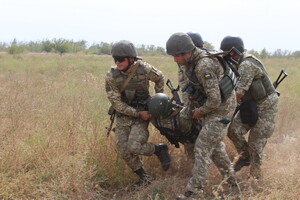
269, 24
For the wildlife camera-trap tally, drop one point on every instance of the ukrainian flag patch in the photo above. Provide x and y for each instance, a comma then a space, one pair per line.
207, 76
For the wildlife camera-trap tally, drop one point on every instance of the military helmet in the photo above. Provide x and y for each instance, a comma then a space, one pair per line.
196, 38
229, 41
159, 105
179, 43
123, 48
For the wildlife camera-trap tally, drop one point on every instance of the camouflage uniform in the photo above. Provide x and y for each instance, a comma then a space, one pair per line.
208, 72
131, 131
182, 82
250, 70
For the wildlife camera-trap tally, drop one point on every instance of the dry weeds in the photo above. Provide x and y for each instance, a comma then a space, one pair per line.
53, 143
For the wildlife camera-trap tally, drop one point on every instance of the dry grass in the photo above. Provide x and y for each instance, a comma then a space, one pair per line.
53, 143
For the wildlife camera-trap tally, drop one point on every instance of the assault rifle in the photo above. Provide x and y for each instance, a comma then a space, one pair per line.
174, 93
112, 113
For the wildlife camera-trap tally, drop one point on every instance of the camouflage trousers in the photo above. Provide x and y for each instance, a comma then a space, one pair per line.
209, 147
131, 135
258, 135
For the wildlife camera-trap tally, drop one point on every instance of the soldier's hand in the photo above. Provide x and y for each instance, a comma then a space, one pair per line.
197, 114
144, 115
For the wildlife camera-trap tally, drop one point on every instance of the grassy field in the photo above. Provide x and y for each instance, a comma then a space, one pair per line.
53, 144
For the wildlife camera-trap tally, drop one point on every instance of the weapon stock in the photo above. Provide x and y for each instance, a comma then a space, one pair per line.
279, 79
283, 74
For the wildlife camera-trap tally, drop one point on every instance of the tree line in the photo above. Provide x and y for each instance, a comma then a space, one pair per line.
62, 46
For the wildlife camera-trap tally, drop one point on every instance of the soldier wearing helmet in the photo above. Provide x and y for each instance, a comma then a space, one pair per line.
258, 107
182, 79
205, 73
197, 39
132, 76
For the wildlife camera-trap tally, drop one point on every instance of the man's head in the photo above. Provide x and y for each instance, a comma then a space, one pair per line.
230, 41
180, 46
124, 54
160, 105
196, 38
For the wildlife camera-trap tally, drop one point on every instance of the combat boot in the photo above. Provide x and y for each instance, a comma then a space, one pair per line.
243, 161
161, 151
144, 178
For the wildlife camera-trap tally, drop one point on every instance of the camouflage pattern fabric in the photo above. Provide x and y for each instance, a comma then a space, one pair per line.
182, 82
114, 95
132, 140
132, 132
209, 145
264, 127
185, 126
248, 71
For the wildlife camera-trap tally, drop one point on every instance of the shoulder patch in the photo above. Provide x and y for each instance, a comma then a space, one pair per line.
207, 76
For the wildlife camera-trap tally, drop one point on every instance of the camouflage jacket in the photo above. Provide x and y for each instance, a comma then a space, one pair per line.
207, 72
115, 79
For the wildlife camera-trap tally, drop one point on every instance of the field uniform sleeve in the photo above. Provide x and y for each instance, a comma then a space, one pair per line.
157, 77
248, 71
209, 80
114, 97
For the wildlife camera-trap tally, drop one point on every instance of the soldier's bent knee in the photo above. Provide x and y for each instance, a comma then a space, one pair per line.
134, 148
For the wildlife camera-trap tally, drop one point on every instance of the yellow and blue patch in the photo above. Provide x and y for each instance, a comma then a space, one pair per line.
207, 76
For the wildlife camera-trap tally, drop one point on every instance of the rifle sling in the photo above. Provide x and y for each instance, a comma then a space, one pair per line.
134, 68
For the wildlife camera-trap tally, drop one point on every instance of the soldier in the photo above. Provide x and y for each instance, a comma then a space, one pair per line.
205, 73
182, 79
127, 88
258, 108
174, 122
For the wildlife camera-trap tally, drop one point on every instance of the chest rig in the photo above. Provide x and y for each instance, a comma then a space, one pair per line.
226, 84
136, 92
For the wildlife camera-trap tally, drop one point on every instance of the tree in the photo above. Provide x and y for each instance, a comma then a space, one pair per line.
47, 46
61, 46
16, 48
79, 46
105, 48
296, 54
264, 54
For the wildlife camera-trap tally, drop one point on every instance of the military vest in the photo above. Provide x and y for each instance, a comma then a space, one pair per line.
260, 87
136, 92
226, 84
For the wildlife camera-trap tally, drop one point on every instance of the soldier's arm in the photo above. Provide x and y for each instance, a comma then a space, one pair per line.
182, 82
210, 84
114, 97
157, 77
248, 71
